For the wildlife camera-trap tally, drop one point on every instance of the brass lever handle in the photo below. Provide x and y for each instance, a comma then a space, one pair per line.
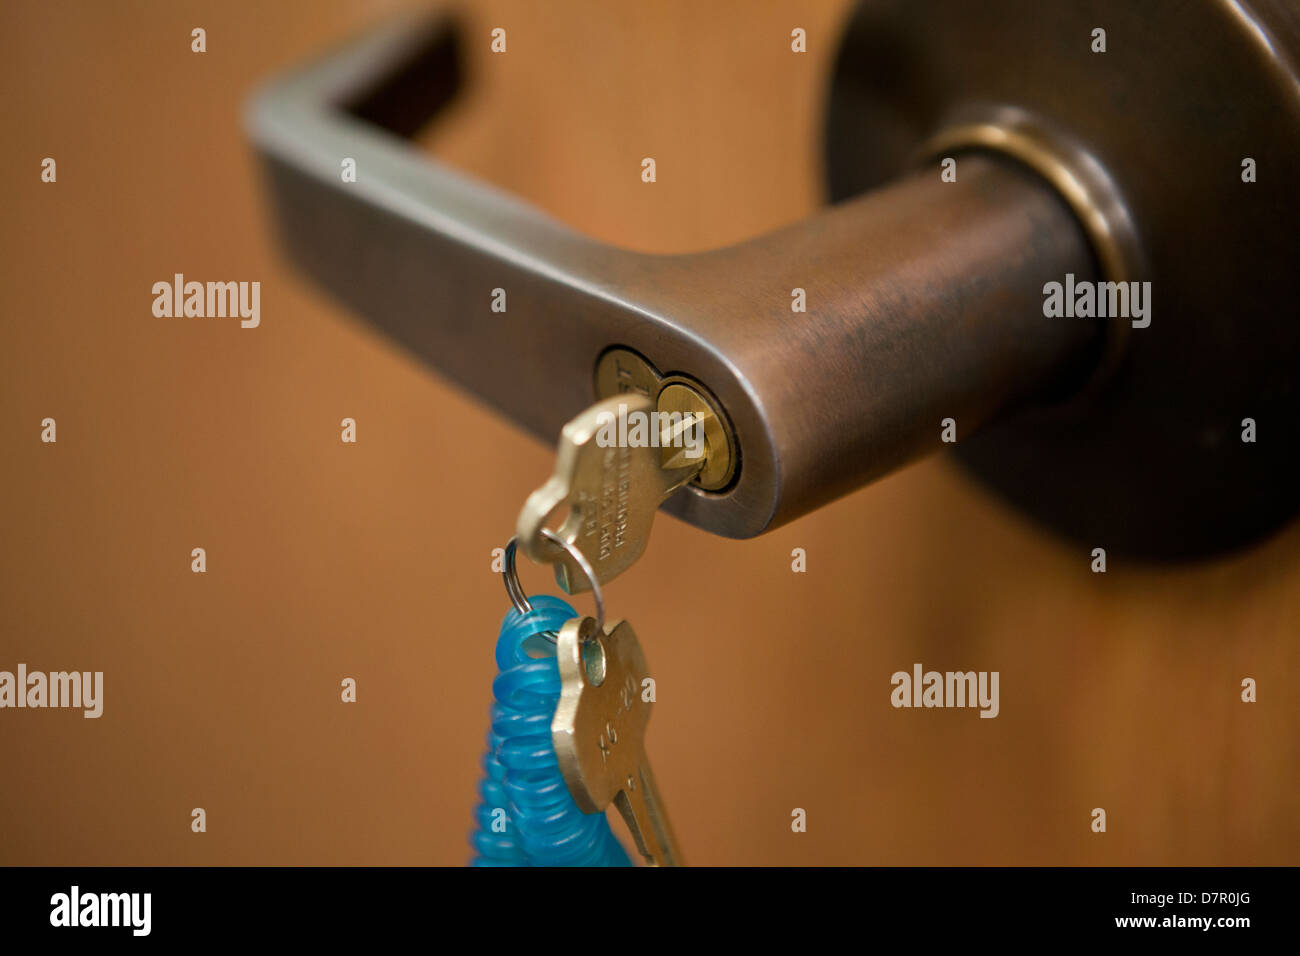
925, 300
923, 295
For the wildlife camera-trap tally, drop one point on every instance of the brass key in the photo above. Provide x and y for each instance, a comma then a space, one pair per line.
613, 475
599, 732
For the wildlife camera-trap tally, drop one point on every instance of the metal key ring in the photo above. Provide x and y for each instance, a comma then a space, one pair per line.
520, 600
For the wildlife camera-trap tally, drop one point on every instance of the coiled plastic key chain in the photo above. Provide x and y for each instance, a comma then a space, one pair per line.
527, 816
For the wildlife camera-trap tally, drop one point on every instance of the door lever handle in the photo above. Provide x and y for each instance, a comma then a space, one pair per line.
925, 297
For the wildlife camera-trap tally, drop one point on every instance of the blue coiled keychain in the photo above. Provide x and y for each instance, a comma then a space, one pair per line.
526, 816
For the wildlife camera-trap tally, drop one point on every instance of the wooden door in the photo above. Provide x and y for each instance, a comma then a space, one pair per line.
372, 561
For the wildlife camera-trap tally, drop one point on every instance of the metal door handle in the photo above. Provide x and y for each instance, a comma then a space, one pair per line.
925, 296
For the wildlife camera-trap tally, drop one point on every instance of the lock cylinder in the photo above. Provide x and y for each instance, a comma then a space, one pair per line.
622, 369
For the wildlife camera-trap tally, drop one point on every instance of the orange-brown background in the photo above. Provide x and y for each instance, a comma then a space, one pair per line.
372, 561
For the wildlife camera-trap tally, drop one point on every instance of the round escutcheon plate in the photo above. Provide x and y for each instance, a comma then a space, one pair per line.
1152, 463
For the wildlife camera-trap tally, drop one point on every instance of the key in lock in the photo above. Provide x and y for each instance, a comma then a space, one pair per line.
615, 465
